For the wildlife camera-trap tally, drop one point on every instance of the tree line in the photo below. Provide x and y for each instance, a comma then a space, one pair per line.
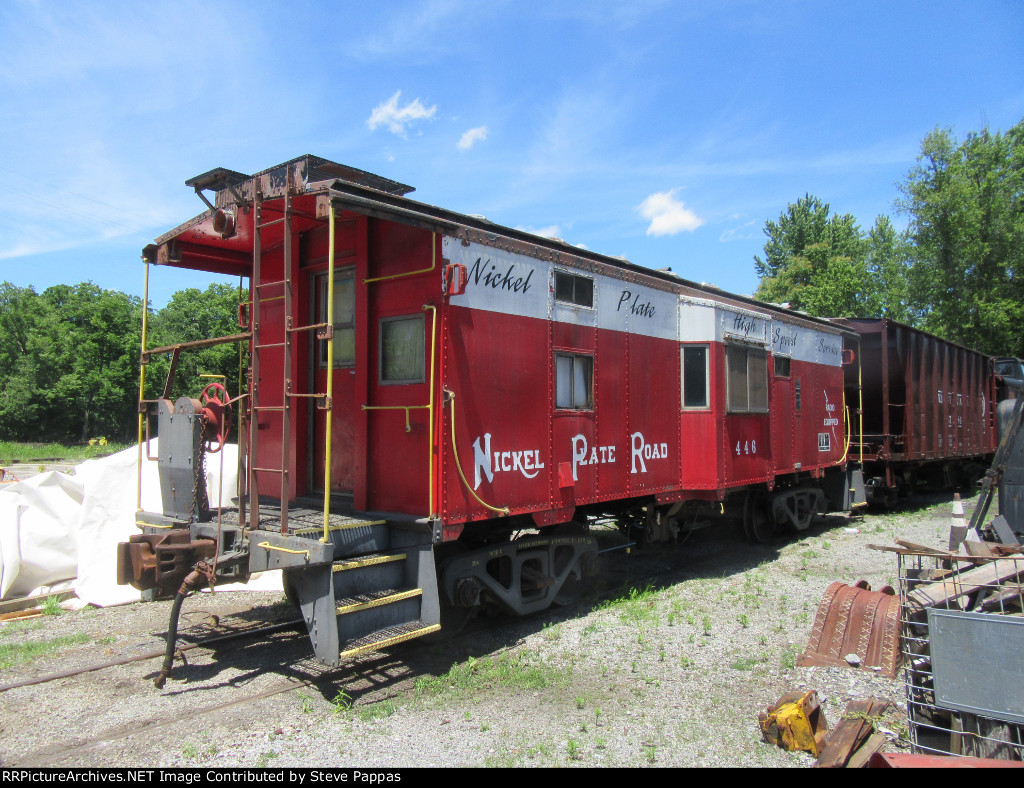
957, 270
69, 357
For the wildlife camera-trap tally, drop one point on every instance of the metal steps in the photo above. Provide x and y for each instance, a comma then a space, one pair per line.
380, 589
387, 637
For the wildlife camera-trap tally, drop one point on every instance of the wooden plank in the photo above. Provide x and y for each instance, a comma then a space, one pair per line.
980, 549
875, 743
849, 735
920, 548
942, 592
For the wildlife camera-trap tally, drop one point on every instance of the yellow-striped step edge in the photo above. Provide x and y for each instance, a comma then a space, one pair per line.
319, 529
391, 641
370, 560
384, 600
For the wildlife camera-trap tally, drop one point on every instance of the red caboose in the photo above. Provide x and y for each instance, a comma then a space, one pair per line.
439, 406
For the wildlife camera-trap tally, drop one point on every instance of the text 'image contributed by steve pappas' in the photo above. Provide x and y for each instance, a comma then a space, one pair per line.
190, 776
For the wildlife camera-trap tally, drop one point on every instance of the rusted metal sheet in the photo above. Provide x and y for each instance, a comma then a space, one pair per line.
906, 760
854, 620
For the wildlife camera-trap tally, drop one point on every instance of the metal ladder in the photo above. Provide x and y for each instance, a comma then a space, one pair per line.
279, 290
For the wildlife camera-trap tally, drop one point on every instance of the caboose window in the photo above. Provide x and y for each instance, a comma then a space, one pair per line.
695, 376
344, 319
782, 366
574, 381
746, 380
402, 352
573, 289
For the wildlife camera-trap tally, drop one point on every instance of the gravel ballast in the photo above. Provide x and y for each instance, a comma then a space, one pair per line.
668, 665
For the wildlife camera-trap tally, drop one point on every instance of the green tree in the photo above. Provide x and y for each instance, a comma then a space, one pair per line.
91, 361
191, 315
22, 311
965, 202
888, 269
815, 261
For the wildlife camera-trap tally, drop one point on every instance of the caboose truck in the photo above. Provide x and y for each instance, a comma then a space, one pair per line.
487, 394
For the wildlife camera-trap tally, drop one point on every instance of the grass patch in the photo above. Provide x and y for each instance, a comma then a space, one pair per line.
747, 663
377, 711
16, 627
635, 605
18, 653
790, 654
11, 451
520, 671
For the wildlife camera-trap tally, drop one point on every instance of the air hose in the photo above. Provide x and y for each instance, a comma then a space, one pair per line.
190, 583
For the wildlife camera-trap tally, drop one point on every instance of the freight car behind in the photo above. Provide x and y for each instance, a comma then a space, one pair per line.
928, 410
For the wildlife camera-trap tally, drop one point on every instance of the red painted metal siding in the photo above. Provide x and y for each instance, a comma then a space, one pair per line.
518, 450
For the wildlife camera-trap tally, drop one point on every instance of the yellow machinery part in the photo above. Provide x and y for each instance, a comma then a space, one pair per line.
796, 722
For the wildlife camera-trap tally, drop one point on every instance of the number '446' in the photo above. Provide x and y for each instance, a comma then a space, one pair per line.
747, 447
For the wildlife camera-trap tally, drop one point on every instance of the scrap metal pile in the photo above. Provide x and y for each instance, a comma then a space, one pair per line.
963, 652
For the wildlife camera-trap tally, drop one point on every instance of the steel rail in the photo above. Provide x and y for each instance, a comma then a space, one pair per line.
154, 654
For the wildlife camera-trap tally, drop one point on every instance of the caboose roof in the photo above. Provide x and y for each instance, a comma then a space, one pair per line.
315, 180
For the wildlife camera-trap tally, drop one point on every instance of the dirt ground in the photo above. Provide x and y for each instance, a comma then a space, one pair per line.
668, 665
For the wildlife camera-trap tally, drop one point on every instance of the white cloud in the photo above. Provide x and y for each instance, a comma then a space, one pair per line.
395, 118
668, 215
551, 231
479, 134
742, 233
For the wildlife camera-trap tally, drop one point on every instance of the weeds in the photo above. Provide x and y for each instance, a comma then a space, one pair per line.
521, 671
789, 656
747, 663
376, 711
265, 758
635, 606
18, 653
12, 452
342, 702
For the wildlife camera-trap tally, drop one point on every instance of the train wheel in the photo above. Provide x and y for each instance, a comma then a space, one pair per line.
758, 526
453, 617
574, 588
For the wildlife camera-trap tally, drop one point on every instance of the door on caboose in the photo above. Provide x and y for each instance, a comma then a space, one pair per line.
342, 477
784, 413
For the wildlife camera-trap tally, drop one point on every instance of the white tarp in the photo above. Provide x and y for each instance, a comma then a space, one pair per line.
55, 527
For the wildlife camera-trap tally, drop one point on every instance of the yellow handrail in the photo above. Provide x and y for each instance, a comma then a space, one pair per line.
406, 408
429, 407
860, 405
329, 421
268, 546
430, 402
433, 265
455, 451
848, 432
142, 387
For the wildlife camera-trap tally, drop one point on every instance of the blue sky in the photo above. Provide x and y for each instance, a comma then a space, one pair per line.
665, 132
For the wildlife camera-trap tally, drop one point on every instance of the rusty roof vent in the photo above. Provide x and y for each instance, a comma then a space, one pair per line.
318, 169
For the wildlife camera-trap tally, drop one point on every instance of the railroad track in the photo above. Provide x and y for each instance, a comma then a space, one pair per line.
372, 678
